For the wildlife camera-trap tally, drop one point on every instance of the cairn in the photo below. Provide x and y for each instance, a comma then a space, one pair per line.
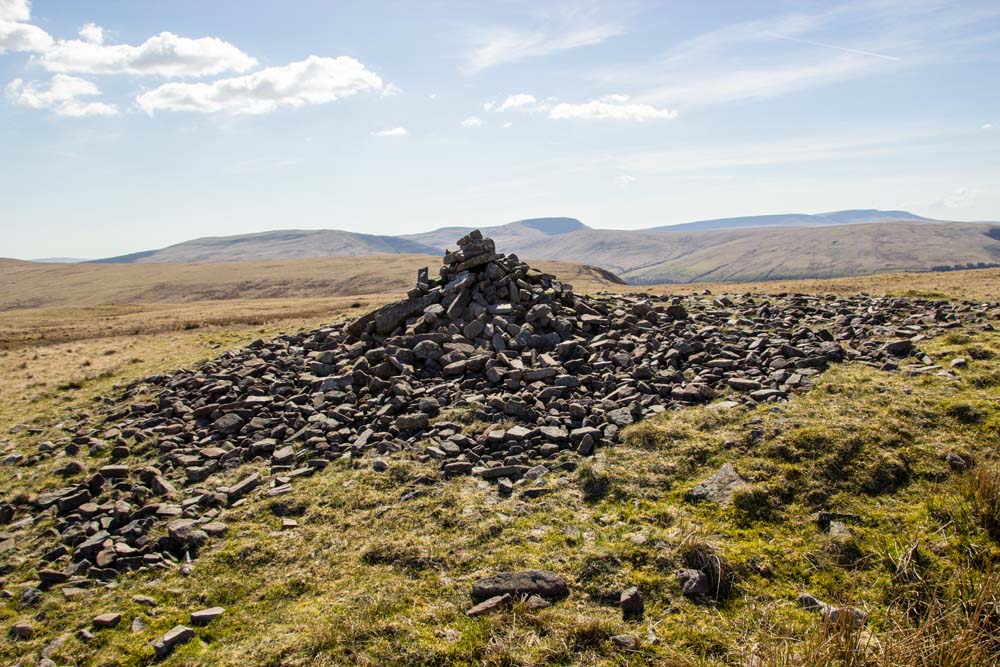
554, 376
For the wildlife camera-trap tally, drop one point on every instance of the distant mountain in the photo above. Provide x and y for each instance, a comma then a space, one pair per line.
282, 244
791, 246
506, 236
849, 217
60, 260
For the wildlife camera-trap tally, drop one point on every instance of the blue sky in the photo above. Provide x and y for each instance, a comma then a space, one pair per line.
131, 125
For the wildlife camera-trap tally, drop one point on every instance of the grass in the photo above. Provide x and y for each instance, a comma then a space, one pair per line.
369, 578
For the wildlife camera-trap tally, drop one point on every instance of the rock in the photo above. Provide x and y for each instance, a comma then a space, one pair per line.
22, 630
413, 422
898, 348
631, 604
229, 424
720, 487
536, 602
490, 605
956, 462
108, 620
543, 583
177, 636
206, 616
694, 583
626, 642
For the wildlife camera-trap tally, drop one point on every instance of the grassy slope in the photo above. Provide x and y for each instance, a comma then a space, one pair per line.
26, 285
369, 579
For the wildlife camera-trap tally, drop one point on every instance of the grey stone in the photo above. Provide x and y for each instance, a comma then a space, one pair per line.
543, 583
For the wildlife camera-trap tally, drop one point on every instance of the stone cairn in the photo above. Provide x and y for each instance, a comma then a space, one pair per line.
549, 376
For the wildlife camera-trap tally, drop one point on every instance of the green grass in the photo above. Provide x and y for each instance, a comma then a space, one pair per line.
368, 579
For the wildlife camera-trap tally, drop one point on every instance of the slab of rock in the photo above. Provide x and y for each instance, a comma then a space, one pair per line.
108, 620
206, 616
542, 583
720, 487
489, 605
177, 636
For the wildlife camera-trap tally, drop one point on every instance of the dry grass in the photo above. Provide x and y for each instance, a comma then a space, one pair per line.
370, 579
28, 285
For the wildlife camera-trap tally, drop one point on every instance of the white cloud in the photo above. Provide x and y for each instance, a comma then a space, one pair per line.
391, 90
958, 198
790, 53
988, 126
15, 10
611, 107
22, 37
488, 106
472, 121
165, 54
624, 179
508, 124
61, 97
498, 46
432, 96
393, 132
314, 80
93, 33
15, 35
521, 101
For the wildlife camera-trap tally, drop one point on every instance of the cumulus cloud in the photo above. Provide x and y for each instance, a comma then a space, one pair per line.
314, 80
472, 121
93, 33
61, 97
15, 10
521, 101
166, 54
611, 107
15, 35
392, 132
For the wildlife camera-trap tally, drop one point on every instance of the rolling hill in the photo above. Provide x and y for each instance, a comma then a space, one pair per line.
790, 246
279, 244
849, 217
33, 285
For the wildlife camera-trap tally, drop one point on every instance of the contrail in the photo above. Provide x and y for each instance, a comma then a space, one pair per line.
834, 46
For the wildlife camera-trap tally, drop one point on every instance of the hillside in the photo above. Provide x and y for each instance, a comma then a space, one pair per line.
511, 235
31, 285
853, 518
841, 243
849, 217
281, 244
774, 253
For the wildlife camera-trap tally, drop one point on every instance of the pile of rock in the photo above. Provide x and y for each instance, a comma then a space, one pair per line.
552, 374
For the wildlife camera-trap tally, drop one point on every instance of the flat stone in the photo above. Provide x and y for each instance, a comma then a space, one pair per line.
720, 487
490, 605
108, 620
177, 636
206, 616
543, 583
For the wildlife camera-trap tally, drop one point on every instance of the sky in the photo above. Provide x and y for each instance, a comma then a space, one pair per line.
129, 125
